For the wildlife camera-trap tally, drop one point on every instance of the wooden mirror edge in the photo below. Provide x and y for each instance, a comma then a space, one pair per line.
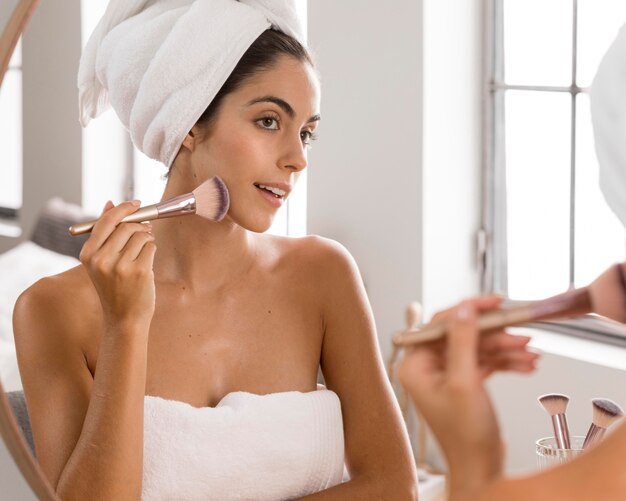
10, 432
18, 448
15, 27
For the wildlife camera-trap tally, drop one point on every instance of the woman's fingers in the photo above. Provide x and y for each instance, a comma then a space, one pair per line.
107, 206
511, 360
462, 348
135, 244
107, 223
491, 343
480, 303
145, 259
118, 240
419, 368
488, 302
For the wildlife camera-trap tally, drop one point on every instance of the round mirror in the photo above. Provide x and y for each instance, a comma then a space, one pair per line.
20, 475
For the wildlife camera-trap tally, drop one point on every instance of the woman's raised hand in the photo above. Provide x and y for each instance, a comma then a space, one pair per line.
445, 379
119, 258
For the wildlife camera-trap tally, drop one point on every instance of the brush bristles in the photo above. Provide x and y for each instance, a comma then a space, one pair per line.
212, 199
554, 403
605, 412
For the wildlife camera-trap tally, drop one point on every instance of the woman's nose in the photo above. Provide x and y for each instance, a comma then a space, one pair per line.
295, 156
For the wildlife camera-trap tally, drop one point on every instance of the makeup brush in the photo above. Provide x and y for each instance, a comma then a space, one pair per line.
555, 404
209, 200
605, 413
575, 302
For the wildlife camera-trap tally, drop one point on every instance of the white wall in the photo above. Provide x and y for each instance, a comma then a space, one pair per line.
52, 134
365, 180
452, 150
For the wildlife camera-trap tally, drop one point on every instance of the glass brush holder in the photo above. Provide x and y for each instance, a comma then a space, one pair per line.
549, 455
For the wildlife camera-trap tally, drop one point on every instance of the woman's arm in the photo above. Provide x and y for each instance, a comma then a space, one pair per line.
378, 453
88, 431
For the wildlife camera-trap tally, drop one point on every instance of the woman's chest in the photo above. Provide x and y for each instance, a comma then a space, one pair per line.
256, 340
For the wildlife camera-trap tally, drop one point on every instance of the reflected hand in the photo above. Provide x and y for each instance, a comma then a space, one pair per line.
445, 380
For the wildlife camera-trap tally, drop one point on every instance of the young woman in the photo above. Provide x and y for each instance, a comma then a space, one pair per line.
211, 333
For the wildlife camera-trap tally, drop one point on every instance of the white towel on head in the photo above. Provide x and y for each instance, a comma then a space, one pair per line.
159, 63
608, 113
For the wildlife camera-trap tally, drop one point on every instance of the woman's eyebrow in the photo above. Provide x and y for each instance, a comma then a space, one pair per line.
284, 105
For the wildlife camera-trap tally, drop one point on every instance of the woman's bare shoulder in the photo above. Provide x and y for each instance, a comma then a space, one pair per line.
323, 264
66, 299
313, 250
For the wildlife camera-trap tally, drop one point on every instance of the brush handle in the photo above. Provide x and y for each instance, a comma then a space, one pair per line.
487, 321
176, 206
574, 302
594, 435
144, 214
561, 431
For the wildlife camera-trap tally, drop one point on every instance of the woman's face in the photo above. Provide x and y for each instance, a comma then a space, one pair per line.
259, 140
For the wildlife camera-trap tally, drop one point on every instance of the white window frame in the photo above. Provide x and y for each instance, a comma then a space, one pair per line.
492, 236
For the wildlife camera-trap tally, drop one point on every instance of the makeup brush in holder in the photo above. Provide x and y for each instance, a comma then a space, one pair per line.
563, 448
605, 413
555, 405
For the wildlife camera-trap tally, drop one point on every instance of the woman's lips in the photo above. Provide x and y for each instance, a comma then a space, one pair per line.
270, 197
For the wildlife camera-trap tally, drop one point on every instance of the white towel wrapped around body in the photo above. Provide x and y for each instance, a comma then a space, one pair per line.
160, 63
248, 447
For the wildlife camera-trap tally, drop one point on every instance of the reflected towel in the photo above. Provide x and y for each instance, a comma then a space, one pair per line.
608, 113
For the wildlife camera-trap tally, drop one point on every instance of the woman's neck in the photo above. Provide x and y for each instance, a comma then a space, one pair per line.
199, 253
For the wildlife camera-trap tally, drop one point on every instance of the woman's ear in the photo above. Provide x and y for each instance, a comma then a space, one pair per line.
190, 139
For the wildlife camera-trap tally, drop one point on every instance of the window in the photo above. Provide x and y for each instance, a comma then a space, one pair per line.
11, 137
547, 225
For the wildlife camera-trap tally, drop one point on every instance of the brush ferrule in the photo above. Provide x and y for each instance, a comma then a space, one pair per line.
561, 431
177, 206
594, 435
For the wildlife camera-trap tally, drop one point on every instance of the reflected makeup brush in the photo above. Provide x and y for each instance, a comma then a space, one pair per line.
555, 404
605, 413
605, 296
209, 200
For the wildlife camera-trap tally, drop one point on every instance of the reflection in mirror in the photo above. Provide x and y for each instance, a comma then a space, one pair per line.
20, 476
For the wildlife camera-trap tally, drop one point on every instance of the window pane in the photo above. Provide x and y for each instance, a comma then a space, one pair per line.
105, 141
538, 42
11, 140
538, 179
598, 24
104, 162
600, 239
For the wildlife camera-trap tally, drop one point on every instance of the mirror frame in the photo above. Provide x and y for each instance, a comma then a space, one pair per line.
10, 432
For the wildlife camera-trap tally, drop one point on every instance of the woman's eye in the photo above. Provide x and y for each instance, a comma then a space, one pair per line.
268, 123
307, 137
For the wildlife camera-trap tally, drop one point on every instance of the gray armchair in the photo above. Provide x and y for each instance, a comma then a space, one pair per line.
18, 404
